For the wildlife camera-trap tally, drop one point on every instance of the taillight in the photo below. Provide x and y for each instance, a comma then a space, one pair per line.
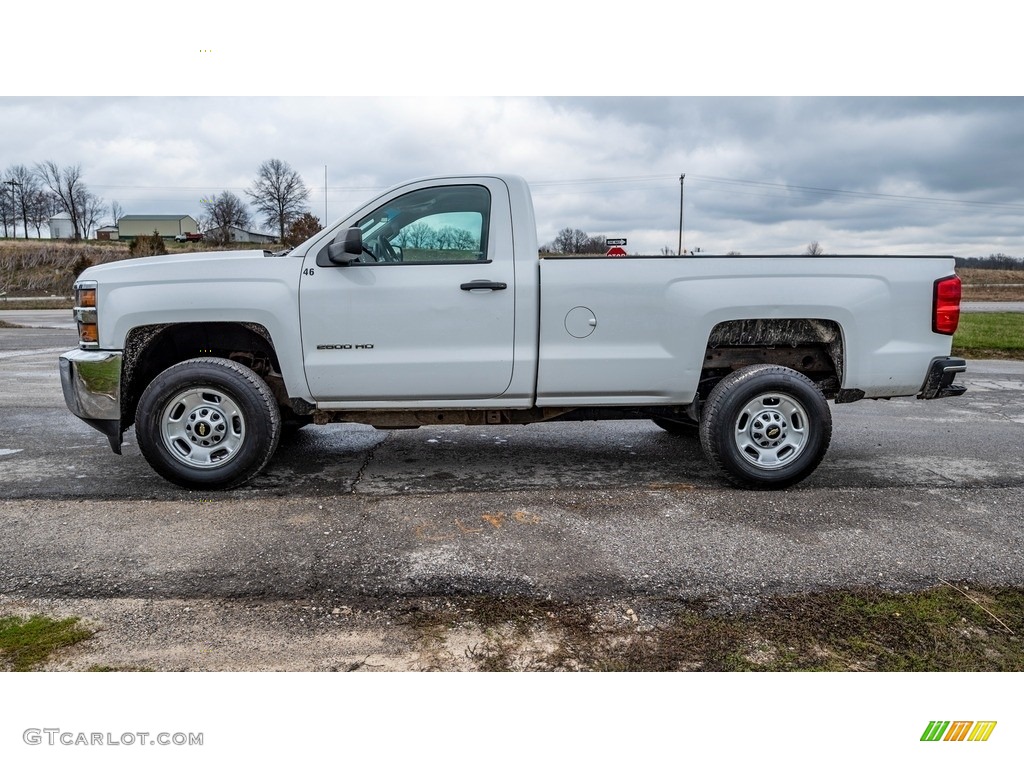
946, 305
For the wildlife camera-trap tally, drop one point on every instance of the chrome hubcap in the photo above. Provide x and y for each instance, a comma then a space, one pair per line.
202, 427
771, 430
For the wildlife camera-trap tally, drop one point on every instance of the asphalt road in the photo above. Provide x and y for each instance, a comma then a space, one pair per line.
911, 492
992, 306
39, 318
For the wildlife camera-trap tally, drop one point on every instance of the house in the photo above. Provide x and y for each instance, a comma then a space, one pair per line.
236, 235
61, 226
166, 225
108, 232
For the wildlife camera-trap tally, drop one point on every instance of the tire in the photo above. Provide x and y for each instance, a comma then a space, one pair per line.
766, 427
208, 424
678, 428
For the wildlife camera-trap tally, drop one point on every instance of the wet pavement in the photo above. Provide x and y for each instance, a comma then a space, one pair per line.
909, 493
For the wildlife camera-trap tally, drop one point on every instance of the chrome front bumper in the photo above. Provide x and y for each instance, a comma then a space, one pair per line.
91, 381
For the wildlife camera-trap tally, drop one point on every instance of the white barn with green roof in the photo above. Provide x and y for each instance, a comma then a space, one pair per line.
167, 225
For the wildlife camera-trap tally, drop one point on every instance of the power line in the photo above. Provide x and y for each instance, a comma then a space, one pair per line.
664, 180
870, 195
606, 180
208, 187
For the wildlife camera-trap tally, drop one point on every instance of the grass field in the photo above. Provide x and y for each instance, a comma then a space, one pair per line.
49, 268
992, 284
988, 335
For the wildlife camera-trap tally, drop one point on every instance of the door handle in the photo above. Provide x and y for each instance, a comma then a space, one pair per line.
483, 285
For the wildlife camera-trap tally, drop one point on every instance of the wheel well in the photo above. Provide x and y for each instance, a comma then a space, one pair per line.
151, 349
812, 347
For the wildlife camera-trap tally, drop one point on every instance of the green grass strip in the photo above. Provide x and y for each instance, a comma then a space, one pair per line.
982, 332
27, 643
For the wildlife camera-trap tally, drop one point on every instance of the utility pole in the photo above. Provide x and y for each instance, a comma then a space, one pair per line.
681, 177
14, 207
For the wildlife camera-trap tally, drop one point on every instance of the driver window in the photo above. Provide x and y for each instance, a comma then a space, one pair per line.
436, 225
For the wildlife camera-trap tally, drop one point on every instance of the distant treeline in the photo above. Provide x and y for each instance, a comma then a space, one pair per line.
992, 261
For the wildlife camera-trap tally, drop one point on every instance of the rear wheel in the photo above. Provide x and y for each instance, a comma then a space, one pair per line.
766, 427
208, 423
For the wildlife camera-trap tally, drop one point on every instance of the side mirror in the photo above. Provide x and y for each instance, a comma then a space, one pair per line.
347, 246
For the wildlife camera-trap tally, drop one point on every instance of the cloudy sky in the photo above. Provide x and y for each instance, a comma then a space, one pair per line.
411, 93
763, 174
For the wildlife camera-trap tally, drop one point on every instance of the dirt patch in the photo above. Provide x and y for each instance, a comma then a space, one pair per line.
948, 628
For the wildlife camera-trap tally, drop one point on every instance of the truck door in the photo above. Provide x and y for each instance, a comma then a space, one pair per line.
427, 311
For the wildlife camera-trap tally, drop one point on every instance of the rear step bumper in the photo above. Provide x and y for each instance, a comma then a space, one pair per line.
939, 382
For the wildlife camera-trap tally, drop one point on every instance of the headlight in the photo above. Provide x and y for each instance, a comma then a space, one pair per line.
85, 314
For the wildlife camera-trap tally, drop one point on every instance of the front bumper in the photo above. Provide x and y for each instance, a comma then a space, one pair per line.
91, 381
939, 382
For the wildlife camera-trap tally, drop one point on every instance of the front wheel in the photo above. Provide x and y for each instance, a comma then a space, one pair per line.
766, 427
208, 423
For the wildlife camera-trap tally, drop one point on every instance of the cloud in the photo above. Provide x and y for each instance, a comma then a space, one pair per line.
762, 174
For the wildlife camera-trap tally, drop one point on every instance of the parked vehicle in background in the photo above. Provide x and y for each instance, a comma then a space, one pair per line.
189, 237
428, 305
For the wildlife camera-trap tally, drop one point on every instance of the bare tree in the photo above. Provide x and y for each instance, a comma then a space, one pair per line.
992, 261
90, 211
814, 249
116, 211
223, 211
8, 211
67, 186
418, 235
23, 187
464, 240
566, 240
571, 240
278, 195
41, 206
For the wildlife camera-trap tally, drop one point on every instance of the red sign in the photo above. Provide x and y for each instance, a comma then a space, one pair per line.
616, 251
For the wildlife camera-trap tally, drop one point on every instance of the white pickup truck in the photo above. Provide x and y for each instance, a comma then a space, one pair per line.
429, 305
